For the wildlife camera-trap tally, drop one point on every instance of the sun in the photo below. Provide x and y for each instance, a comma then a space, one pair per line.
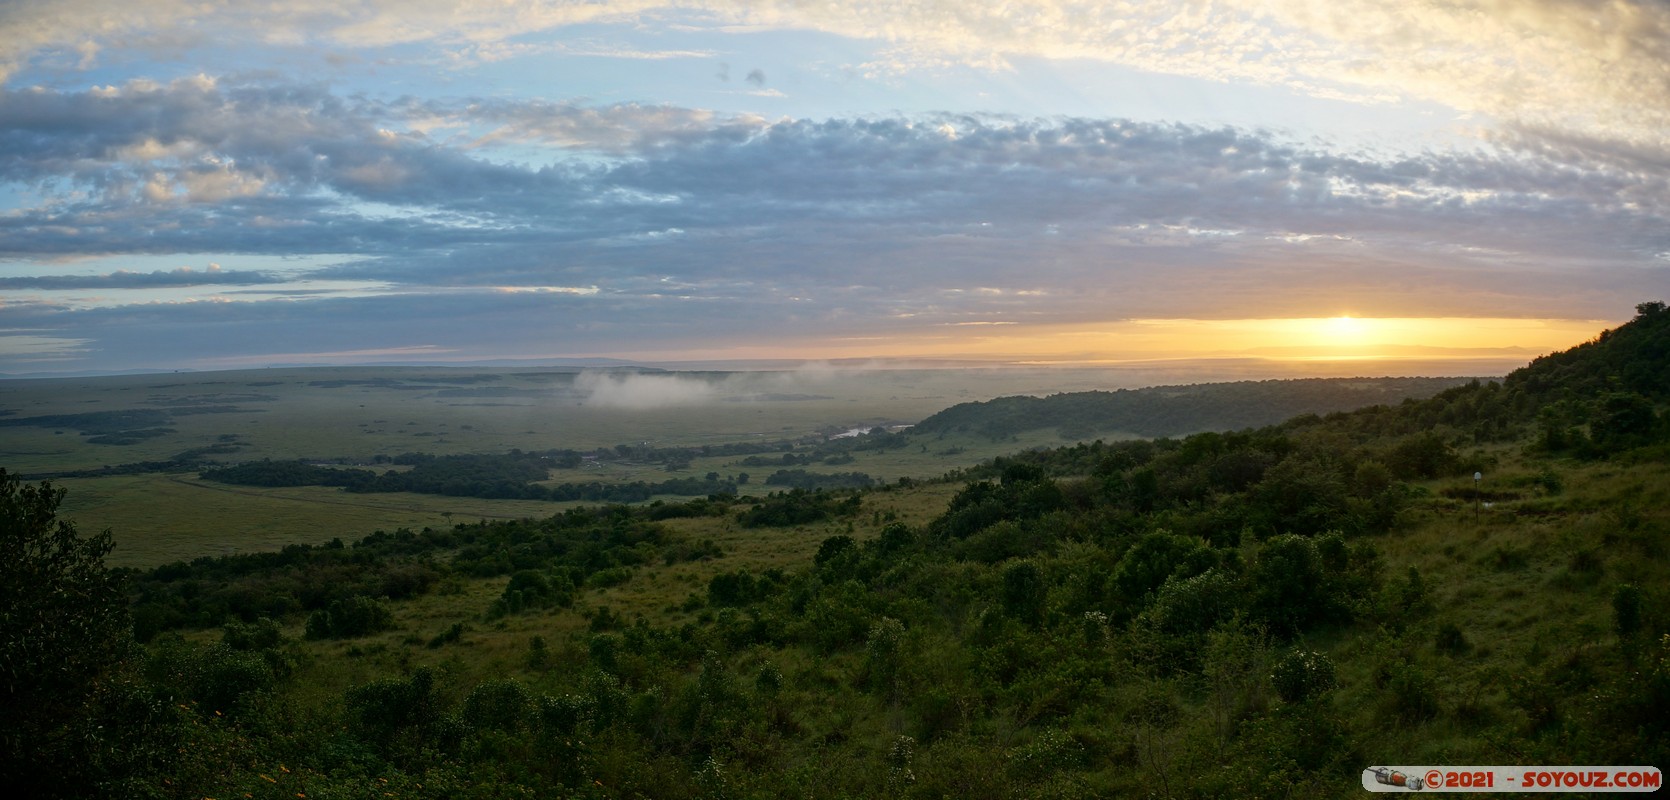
1343, 329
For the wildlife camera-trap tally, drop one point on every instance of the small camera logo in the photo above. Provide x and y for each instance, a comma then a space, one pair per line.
1391, 777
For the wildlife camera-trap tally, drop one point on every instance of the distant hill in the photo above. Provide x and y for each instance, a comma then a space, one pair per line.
1178, 410
1625, 370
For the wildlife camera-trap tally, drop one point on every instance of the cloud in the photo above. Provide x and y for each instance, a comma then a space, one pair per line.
1591, 68
617, 128
734, 206
25, 348
652, 224
123, 279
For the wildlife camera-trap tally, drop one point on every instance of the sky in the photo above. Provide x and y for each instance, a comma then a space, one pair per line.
229, 183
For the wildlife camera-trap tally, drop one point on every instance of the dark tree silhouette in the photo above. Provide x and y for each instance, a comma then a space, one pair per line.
64, 631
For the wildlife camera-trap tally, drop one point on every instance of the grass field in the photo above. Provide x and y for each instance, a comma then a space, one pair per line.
157, 518
361, 412
358, 413
333, 413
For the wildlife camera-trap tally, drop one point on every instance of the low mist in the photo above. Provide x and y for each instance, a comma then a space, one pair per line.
641, 390
638, 391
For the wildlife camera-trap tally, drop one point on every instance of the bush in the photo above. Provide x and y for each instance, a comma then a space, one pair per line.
1289, 593
351, 618
895, 537
380, 710
1303, 675
262, 634
1153, 559
1626, 610
1413, 694
538, 654
833, 548
1451, 640
884, 657
1053, 751
604, 649
732, 589
498, 705
769, 680
1024, 592
1194, 605
451, 635
228, 675
614, 576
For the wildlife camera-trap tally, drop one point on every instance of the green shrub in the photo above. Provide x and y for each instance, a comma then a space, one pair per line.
769, 680
832, 548
262, 634
501, 704
379, 710
566, 715
884, 657
350, 618
605, 652
1024, 592
731, 589
1153, 559
227, 676
1626, 610
538, 654
1451, 640
451, 635
1412, 694
1289, 593
1194, 605
614, 576
1051, 752
1303, 675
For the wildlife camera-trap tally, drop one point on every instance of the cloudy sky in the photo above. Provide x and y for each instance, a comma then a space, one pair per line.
232, 183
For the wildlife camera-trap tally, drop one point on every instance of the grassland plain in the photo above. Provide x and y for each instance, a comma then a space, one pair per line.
353, 415
356, 413
360, 412
161, 517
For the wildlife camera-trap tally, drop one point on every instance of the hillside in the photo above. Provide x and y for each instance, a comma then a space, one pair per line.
1263, 613
1179, 410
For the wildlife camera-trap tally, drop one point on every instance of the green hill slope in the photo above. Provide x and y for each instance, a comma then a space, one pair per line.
1179, 410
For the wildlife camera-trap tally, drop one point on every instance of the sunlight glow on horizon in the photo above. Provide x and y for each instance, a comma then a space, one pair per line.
1297, 339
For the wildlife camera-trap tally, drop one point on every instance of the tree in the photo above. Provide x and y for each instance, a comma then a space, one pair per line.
64, 632
1302, 675
1289, 591
1622, 420
1024, 592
